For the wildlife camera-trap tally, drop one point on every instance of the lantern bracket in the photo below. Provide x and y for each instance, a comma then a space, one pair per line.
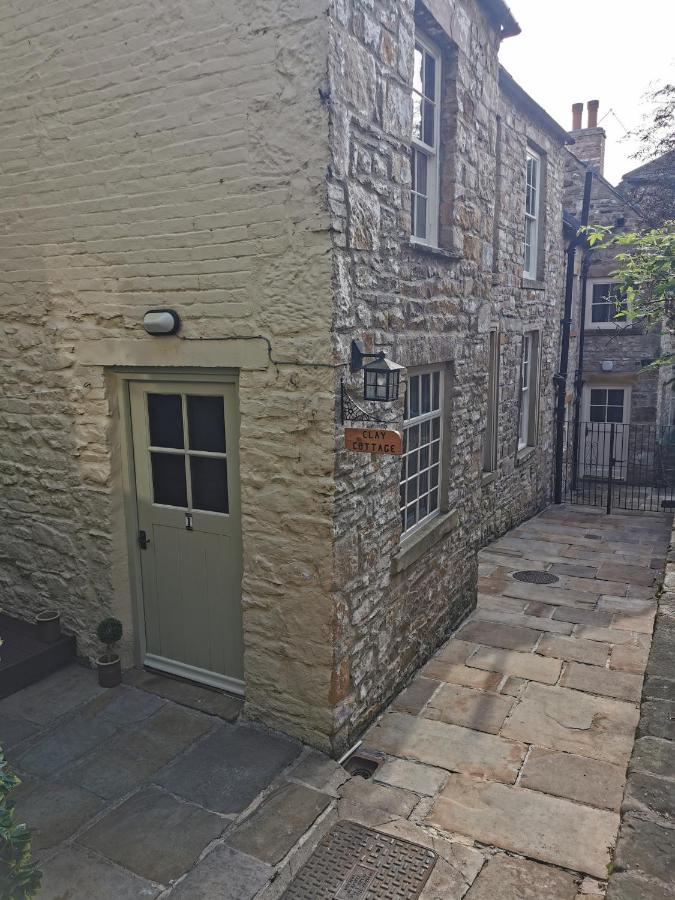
359, 354
350, 411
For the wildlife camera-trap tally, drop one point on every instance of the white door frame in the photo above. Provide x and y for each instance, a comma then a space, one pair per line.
124, 378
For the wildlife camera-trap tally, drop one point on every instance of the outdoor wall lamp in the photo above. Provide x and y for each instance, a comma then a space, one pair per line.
161, 321
381, 382
381, 377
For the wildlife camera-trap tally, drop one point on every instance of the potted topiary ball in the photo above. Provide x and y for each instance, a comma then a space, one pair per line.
109, 632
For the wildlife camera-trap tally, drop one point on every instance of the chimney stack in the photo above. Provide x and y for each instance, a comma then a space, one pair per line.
589, 142
577, 110
592, 107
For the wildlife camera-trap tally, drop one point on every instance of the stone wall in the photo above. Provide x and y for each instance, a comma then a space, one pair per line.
626, 345
397, 602
169, 155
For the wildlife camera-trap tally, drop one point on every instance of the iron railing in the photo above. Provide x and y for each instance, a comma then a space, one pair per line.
620, 466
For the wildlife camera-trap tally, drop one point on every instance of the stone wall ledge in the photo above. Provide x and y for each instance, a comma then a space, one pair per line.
414, 547
438, 252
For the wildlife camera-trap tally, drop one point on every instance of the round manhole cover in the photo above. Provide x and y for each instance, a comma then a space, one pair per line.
535, 577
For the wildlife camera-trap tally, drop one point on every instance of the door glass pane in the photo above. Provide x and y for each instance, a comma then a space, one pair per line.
209, 484
206, 423
166, 420
168, 479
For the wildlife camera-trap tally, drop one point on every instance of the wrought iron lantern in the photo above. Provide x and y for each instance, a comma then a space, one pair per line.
381, 377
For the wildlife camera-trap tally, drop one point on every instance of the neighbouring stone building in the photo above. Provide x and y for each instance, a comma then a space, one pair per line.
287, 177
616, 353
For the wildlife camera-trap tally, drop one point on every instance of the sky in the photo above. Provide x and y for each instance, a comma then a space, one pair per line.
608, 50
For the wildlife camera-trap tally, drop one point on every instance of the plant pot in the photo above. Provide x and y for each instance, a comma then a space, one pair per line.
109, 670
48, 626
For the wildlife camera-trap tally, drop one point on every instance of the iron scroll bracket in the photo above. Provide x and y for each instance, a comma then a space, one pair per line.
350, 411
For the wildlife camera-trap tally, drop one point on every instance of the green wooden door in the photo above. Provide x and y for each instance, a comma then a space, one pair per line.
187, 482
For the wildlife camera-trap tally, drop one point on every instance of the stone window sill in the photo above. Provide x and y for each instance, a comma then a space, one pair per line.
488, 478
415, 546
524, 455
531, 285
438, 252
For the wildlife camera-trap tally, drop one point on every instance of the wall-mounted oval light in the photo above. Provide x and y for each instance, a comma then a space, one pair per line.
161, 321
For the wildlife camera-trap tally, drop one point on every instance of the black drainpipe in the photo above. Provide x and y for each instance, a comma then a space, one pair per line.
561, 377
579, 374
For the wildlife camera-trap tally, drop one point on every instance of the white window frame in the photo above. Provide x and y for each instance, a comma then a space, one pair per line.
491, 444
434, 413
532, 216
612, 324
529, 390
431, 152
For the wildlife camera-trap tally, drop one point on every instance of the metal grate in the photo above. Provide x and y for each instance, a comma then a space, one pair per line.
355, 863
593, 537
534, 577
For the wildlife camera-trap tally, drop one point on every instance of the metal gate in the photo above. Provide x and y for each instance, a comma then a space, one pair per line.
620, 466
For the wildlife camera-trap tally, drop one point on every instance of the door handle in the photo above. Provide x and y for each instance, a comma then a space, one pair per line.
143, 540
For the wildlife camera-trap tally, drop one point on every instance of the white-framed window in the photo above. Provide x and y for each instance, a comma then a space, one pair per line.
426, 95
527, 420
492, 420
603, 302
422, 448
532, 191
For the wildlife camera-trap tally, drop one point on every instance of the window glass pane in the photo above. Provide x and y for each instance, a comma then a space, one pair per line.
615, 413
597, 413
424, 433
429, 76
436, 428
428, 123
424, 457
209, 483
165, 416
598, 395
600, 292
421, 218
423, 506
600, 312
435, 451
414, 392
424, 480
168, 479
418, 74
417, 116
436, 391
615, 398
412, 463
421, 165
433, 500
426, 395
412, 490
434, 476
206, 423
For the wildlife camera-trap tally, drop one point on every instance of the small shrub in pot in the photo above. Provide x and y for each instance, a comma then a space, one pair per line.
109, 632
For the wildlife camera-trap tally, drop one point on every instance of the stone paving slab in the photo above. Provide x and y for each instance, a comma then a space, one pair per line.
55, 810
563, 719
578, 649
395, 800
67, 742
458, 674
579, 778
598, 617
154, 835
226, 770
414, 698
187, 693
225, 874
539, 826
551, 594
628, 658
522, 665
539, 624
77, 874
417, 777
597, 680
508, 878
47, 700
278, 823
447, 746
469, 708
508, 637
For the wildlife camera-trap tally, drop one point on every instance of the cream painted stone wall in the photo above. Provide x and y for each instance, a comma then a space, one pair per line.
168, 154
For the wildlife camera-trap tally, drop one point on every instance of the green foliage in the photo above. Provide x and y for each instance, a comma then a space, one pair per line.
19, 877
656, 134
109, 632
645, 271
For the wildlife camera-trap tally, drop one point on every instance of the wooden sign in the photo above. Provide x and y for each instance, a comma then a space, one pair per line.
374, 440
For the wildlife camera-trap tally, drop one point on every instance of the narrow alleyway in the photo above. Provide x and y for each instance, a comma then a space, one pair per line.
506, 755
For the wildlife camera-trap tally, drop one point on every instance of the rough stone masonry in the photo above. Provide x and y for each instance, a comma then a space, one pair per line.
250, 168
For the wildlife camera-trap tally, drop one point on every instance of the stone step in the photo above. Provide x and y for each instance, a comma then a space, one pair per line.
24, 659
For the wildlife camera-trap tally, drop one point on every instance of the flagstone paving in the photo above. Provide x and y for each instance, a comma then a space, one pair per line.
506, 754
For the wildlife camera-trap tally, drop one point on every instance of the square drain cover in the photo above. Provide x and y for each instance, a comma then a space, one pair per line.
356, 863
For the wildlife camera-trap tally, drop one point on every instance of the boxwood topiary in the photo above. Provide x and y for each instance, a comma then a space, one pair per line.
109, 632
